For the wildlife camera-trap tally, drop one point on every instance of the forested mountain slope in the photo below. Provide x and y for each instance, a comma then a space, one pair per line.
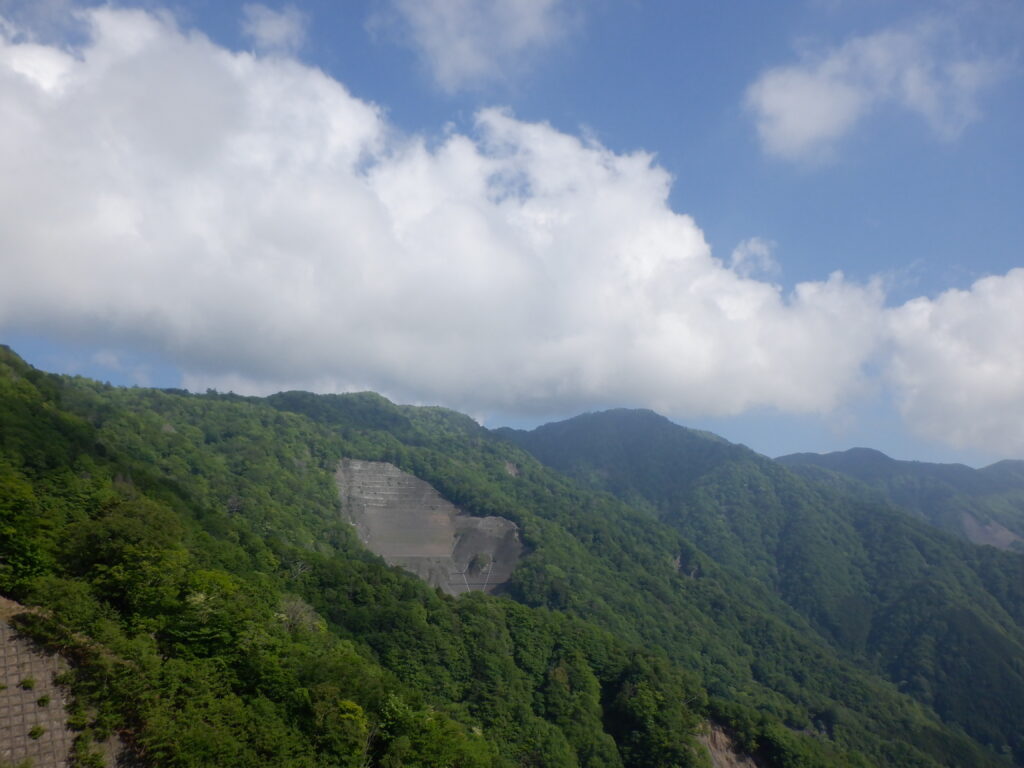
940, 618
621, 567
985, 505
191, 561
188, 557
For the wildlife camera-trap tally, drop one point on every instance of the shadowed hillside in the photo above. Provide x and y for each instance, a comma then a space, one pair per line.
985, 505
940, 618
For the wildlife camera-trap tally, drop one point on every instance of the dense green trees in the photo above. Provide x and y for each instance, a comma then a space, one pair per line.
193, 565
939, 617
190, 559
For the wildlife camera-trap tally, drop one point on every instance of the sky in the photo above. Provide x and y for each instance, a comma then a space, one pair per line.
796, 224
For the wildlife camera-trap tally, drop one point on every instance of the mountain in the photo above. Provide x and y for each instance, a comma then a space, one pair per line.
190, 557
938, 617
985, 506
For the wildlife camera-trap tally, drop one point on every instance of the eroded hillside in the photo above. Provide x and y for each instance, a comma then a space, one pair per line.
407, 522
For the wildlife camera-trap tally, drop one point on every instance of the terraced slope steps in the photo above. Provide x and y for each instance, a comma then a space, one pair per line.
32, 717
408, 523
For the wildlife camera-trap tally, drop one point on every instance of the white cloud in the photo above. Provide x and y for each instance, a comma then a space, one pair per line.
958, 364
803, 110
273, 31
251, 221
465, 43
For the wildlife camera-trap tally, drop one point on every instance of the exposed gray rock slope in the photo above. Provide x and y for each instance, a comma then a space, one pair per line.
405, 521
723, 751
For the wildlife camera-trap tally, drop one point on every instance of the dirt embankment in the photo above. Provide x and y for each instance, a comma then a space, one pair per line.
991, 533
723, 750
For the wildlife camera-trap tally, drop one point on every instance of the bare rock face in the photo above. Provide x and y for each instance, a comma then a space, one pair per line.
991, 533
723, 750
405, 521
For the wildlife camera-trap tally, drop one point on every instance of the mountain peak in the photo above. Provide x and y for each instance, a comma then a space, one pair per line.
856, 460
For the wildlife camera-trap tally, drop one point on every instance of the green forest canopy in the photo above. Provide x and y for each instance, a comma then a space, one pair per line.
190, 559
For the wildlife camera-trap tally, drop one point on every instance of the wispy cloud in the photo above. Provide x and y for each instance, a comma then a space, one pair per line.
753, 258
41, 21
803, 110
469, 43
273, 31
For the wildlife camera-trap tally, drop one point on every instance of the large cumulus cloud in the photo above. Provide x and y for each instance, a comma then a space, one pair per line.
251, 220
958, 364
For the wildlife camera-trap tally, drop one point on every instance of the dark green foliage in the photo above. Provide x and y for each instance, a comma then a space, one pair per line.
940, 618
986, 504
745, 642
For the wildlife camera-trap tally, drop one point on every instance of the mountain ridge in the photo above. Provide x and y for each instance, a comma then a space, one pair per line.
857, 567
233, 617
983, 505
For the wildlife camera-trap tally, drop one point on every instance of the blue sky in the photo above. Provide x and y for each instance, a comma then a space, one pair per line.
527, 209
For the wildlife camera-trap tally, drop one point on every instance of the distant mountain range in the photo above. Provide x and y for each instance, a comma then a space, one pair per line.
985, 505
896, 594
